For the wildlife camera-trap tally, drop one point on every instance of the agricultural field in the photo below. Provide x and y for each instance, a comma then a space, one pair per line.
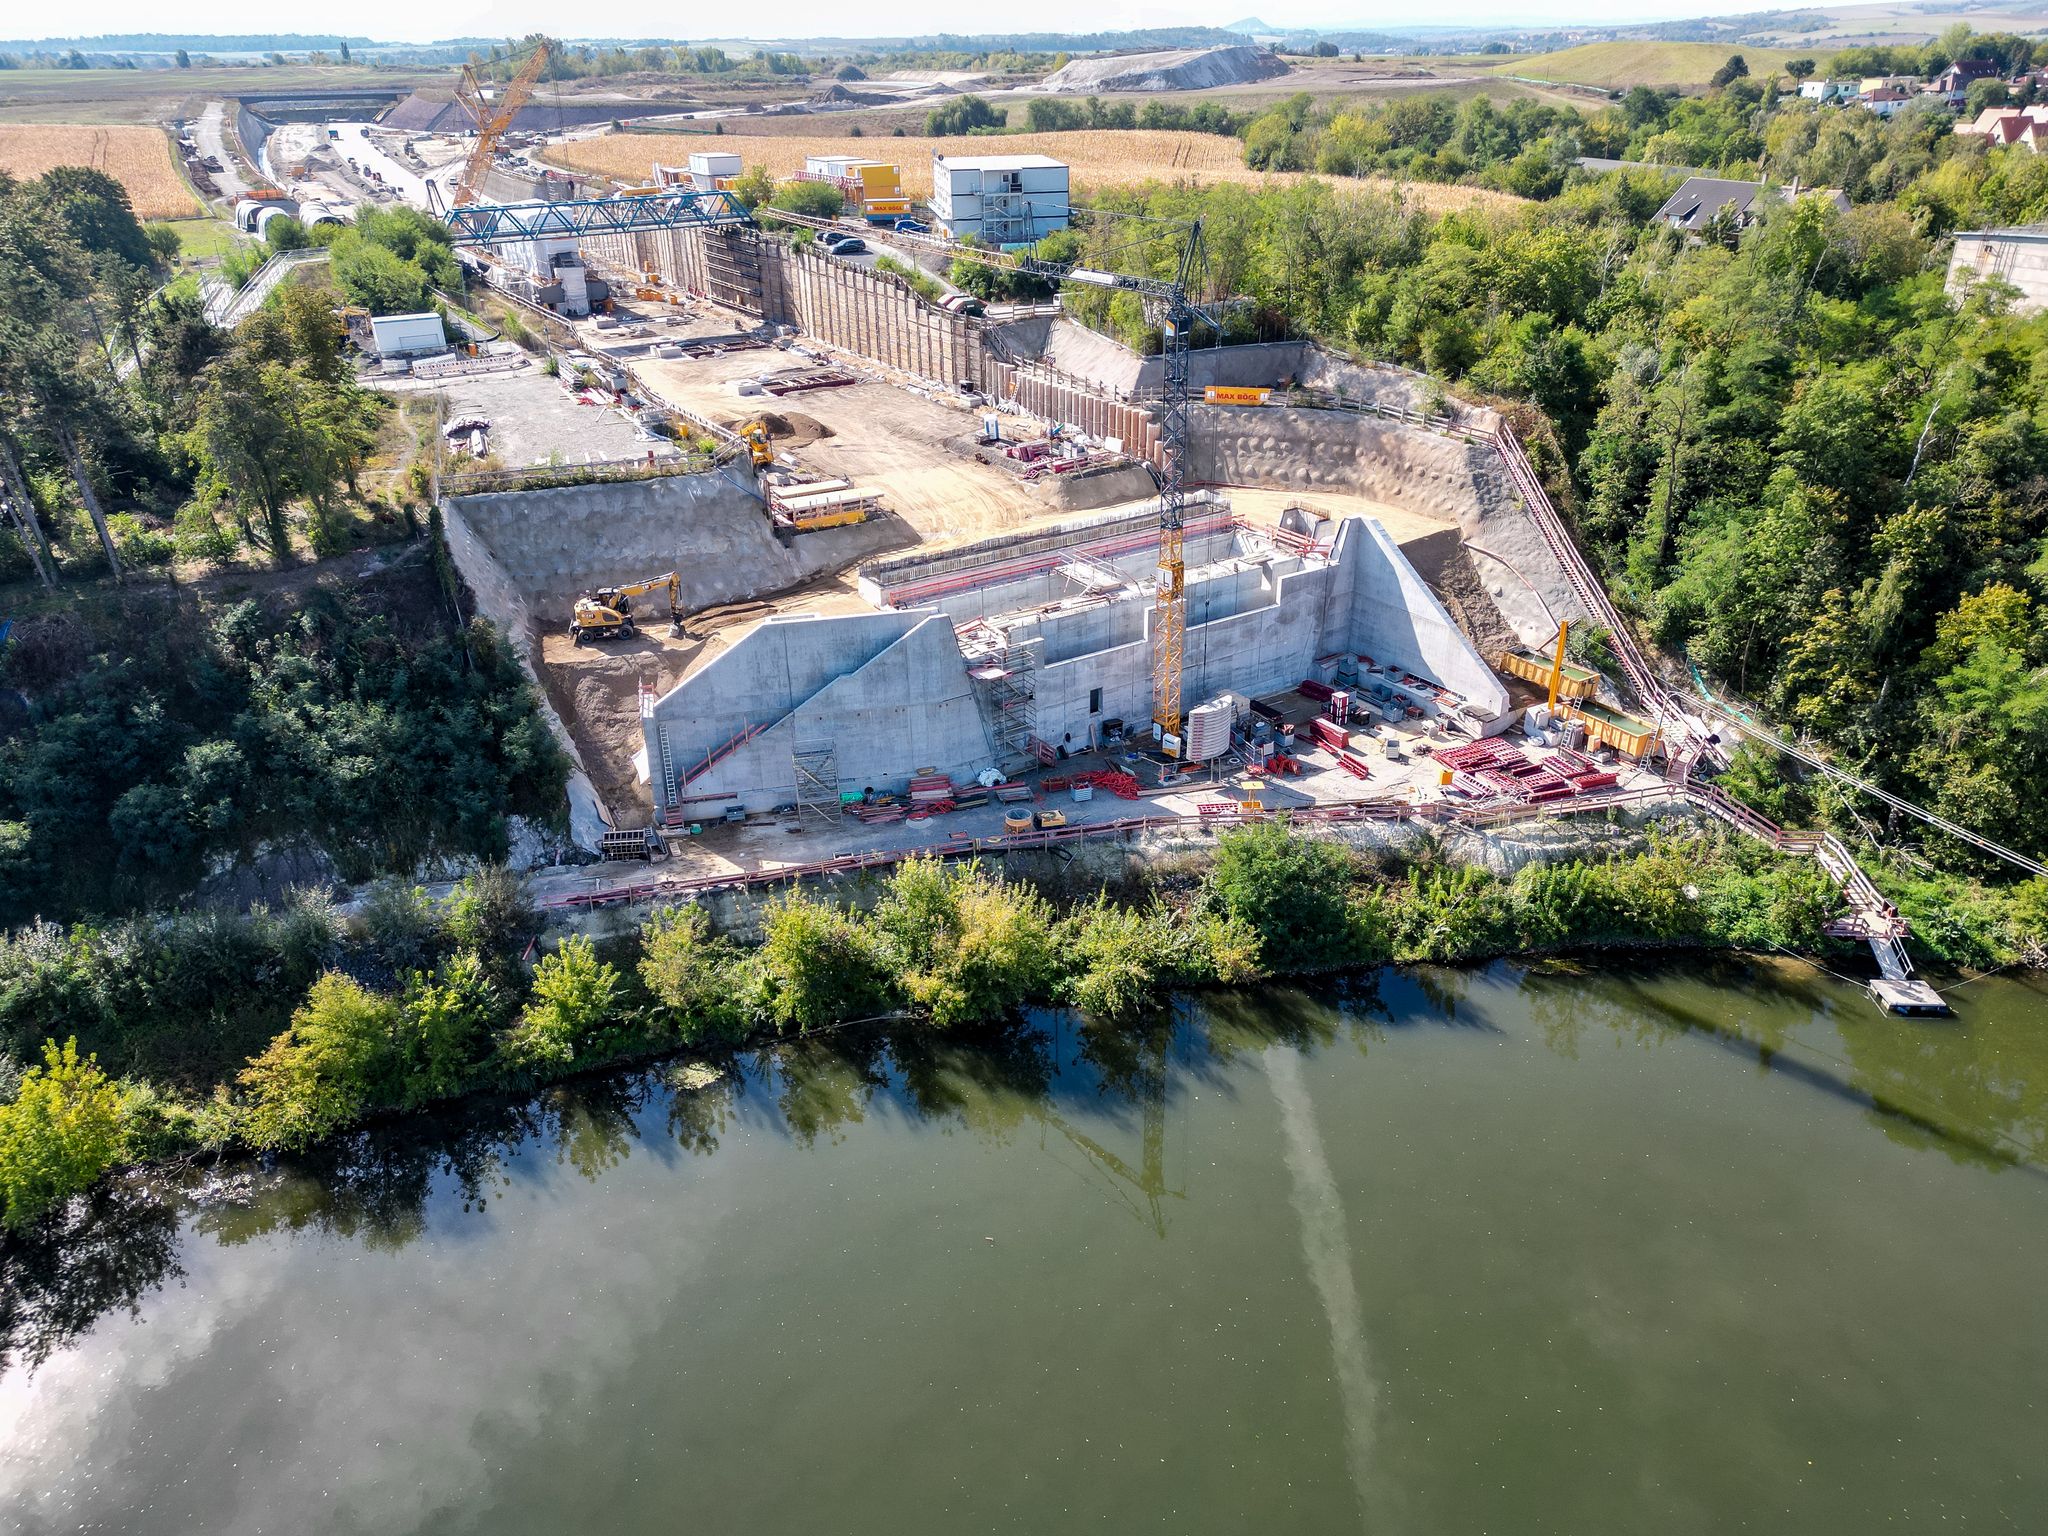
1107, 158
1617, 66
139, 158
161, 95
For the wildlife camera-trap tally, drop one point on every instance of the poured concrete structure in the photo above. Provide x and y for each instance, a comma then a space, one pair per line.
1055, 623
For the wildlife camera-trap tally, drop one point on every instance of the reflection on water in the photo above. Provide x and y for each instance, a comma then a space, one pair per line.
1975, 1090
1676, 1248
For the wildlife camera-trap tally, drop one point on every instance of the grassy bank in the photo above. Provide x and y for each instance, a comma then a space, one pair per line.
273, 1032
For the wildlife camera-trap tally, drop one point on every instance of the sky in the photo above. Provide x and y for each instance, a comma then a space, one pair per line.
411, 21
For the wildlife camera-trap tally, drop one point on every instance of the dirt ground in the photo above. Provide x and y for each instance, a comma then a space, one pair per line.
596, 688
921, 455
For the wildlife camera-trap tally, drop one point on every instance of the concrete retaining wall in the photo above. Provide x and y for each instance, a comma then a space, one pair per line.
552, 544
1427, 472
500, 599
887, 691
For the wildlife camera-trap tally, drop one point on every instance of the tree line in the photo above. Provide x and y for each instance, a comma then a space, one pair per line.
410, 1003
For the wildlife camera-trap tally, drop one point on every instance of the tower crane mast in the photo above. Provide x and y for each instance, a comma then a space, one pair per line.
1173, 301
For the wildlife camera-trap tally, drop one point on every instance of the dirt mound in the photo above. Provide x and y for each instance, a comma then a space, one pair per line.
793, 429
839, 95
1177, 69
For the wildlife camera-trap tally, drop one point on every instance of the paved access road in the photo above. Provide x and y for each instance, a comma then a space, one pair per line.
210, 134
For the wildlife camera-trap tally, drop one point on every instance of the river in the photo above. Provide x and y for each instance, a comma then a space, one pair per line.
1696, 1247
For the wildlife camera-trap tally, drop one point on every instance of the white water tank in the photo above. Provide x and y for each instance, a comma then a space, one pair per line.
1208, 731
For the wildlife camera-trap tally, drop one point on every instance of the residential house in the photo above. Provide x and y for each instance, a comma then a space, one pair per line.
1825, 91
1704, 199
2010, 125
1954, 83
1871, 83
1885, 101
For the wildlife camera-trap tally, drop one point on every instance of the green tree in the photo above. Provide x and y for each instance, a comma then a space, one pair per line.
444, 1027
1291, 890
963, 114
694, 975
964, 944
817, 965
337, 1059
574, 995
65, 1128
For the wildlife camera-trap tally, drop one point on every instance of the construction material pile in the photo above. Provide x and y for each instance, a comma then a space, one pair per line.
1172, 69
1494, 769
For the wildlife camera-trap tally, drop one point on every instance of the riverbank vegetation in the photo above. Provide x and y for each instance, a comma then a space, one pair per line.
275, 1032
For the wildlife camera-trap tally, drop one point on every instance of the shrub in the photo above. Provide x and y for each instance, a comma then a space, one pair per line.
489, 913
817, 965
444, 1027
1292, 891
965, 944
399, 920
694, 977
1118, 960
140, 544
814, 199
63, 1130
335, 1061
574, 996
1453, 914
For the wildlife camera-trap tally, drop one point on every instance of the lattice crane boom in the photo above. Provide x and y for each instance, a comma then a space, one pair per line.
493, 118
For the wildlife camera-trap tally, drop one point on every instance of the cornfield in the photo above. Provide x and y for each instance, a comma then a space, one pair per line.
1099, 158
137, 157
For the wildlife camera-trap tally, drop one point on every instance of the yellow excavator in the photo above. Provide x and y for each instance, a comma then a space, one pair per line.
607, 612
756, 434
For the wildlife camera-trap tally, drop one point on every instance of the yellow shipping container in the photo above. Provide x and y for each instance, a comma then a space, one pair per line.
1533, 667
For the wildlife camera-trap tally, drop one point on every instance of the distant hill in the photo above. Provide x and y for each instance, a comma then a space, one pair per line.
1251, 26
1620, 65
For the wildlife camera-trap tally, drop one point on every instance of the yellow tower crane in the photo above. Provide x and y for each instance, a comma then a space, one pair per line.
1172, 299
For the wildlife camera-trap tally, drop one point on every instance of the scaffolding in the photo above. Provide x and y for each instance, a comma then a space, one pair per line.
1006, 681
817, 782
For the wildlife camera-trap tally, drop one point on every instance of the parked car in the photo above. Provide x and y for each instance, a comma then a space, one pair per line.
846, 245
912, 227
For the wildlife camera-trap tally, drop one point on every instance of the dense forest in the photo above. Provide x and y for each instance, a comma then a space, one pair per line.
152, 729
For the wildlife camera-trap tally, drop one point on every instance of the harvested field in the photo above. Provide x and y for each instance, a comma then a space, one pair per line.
138, 158
1618, 66
1112, 157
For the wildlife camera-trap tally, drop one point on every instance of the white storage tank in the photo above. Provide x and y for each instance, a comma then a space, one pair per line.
1208, 730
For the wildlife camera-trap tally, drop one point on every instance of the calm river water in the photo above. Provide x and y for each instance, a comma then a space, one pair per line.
1678, 1249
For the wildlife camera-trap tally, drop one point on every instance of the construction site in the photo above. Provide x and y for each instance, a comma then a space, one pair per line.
897, 573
